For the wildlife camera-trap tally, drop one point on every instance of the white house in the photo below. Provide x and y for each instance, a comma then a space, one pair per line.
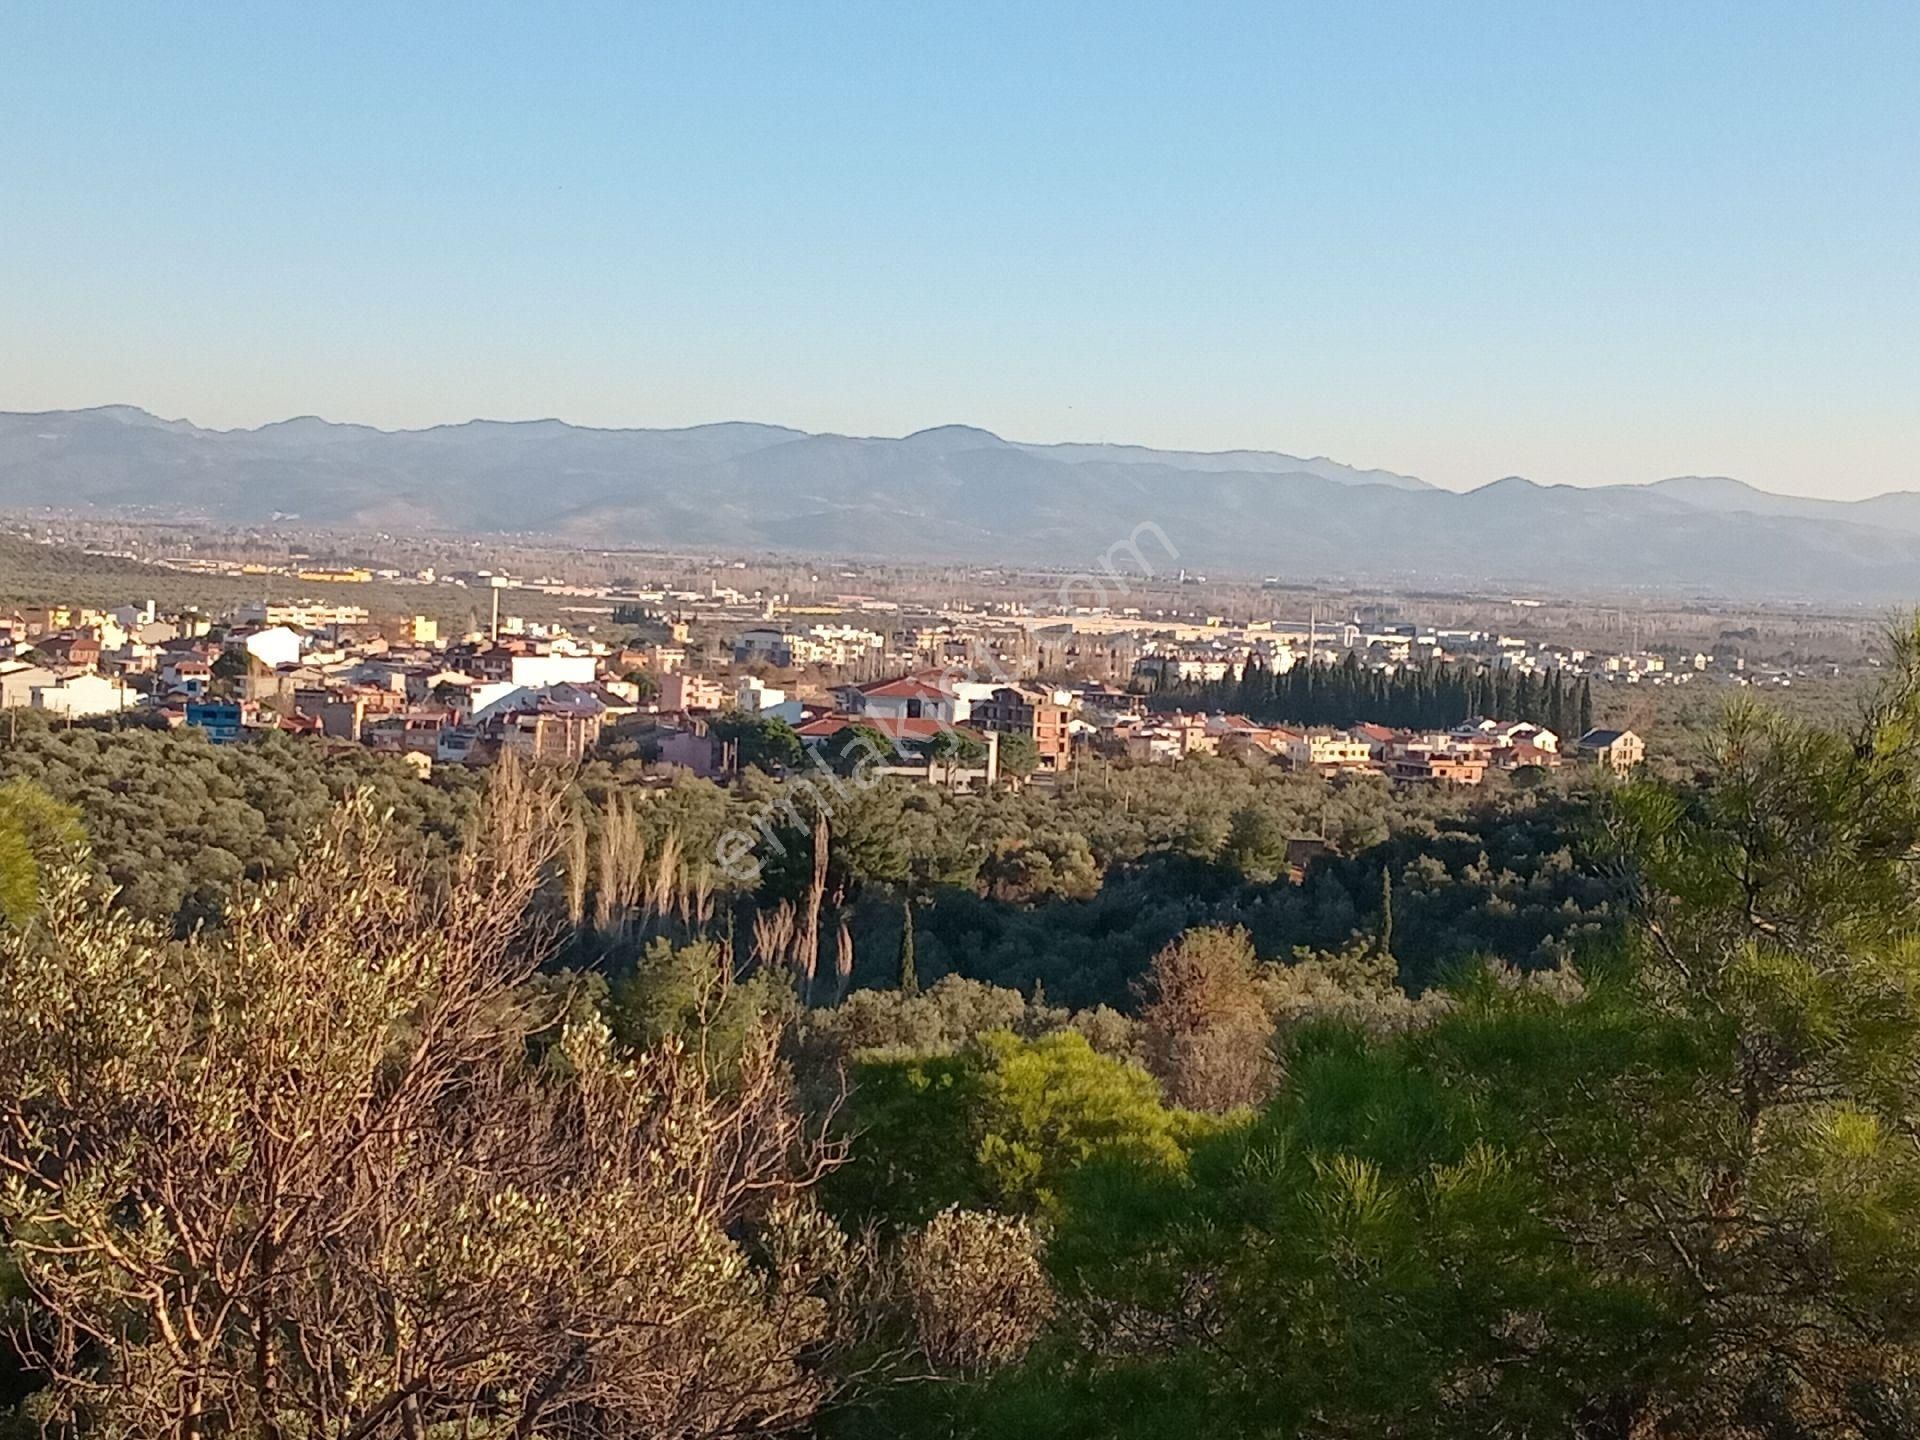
1502, 733
273, 646
504, 698
78, 696
767, 701
753, 695
551, 669
17, 681
906, 699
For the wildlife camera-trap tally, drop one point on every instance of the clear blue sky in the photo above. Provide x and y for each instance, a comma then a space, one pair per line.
1582, 242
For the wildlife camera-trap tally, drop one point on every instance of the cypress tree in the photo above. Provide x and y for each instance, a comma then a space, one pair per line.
909, 977
1252, 686
1386, 911
1429, 696
1524, 699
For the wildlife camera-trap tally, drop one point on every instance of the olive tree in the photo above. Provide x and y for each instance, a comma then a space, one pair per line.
301, 1176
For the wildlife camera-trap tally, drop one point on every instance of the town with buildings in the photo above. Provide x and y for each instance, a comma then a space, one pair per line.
670, 676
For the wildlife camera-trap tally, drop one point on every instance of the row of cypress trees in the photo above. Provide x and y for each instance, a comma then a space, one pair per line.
1431, 696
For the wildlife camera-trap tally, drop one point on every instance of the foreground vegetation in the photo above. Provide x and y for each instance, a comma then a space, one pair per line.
1073, 891
542, 1126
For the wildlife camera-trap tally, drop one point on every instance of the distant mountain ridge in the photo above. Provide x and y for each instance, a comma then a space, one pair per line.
959, 492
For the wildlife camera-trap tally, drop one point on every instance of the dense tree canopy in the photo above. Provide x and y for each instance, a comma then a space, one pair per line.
176, 822
1075, 888
1523, 1114
1677, 1199
764, 741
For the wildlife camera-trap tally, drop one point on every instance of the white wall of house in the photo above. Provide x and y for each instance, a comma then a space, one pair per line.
79, 696
552, 669
17, 682
274, 647
895, 708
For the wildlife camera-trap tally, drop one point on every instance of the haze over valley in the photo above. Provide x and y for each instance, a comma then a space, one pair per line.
961, 493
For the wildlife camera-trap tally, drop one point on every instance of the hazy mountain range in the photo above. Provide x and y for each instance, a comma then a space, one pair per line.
963, 493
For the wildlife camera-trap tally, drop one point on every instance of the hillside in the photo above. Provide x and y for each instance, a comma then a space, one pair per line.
961, 492
30, 571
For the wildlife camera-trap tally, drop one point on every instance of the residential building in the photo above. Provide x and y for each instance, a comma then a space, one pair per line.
272, 645
1160, 739
844, 646
521, 667
78, 652
423, 683
302, 615
1175, 669
1017, 710
906, 757
691, 747
18, 680
752, 694
680, 690
545, 735
1453, 766
408, 731
185, 674
753, 697
1329, 752
80, 696
1236, 735
344, 712
1302, 851
488, 701
764, 644
1500, 734
1615, 750
222, 721
889, 702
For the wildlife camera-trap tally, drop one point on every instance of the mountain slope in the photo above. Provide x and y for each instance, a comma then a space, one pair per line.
961, 492
1899, 509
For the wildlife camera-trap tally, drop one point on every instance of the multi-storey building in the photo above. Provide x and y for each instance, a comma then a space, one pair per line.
1016, 710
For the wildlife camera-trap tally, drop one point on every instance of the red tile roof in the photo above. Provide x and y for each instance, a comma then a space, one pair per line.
905, 689
829, 725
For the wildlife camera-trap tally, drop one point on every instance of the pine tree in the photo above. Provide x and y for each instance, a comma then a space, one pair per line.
1586, 704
